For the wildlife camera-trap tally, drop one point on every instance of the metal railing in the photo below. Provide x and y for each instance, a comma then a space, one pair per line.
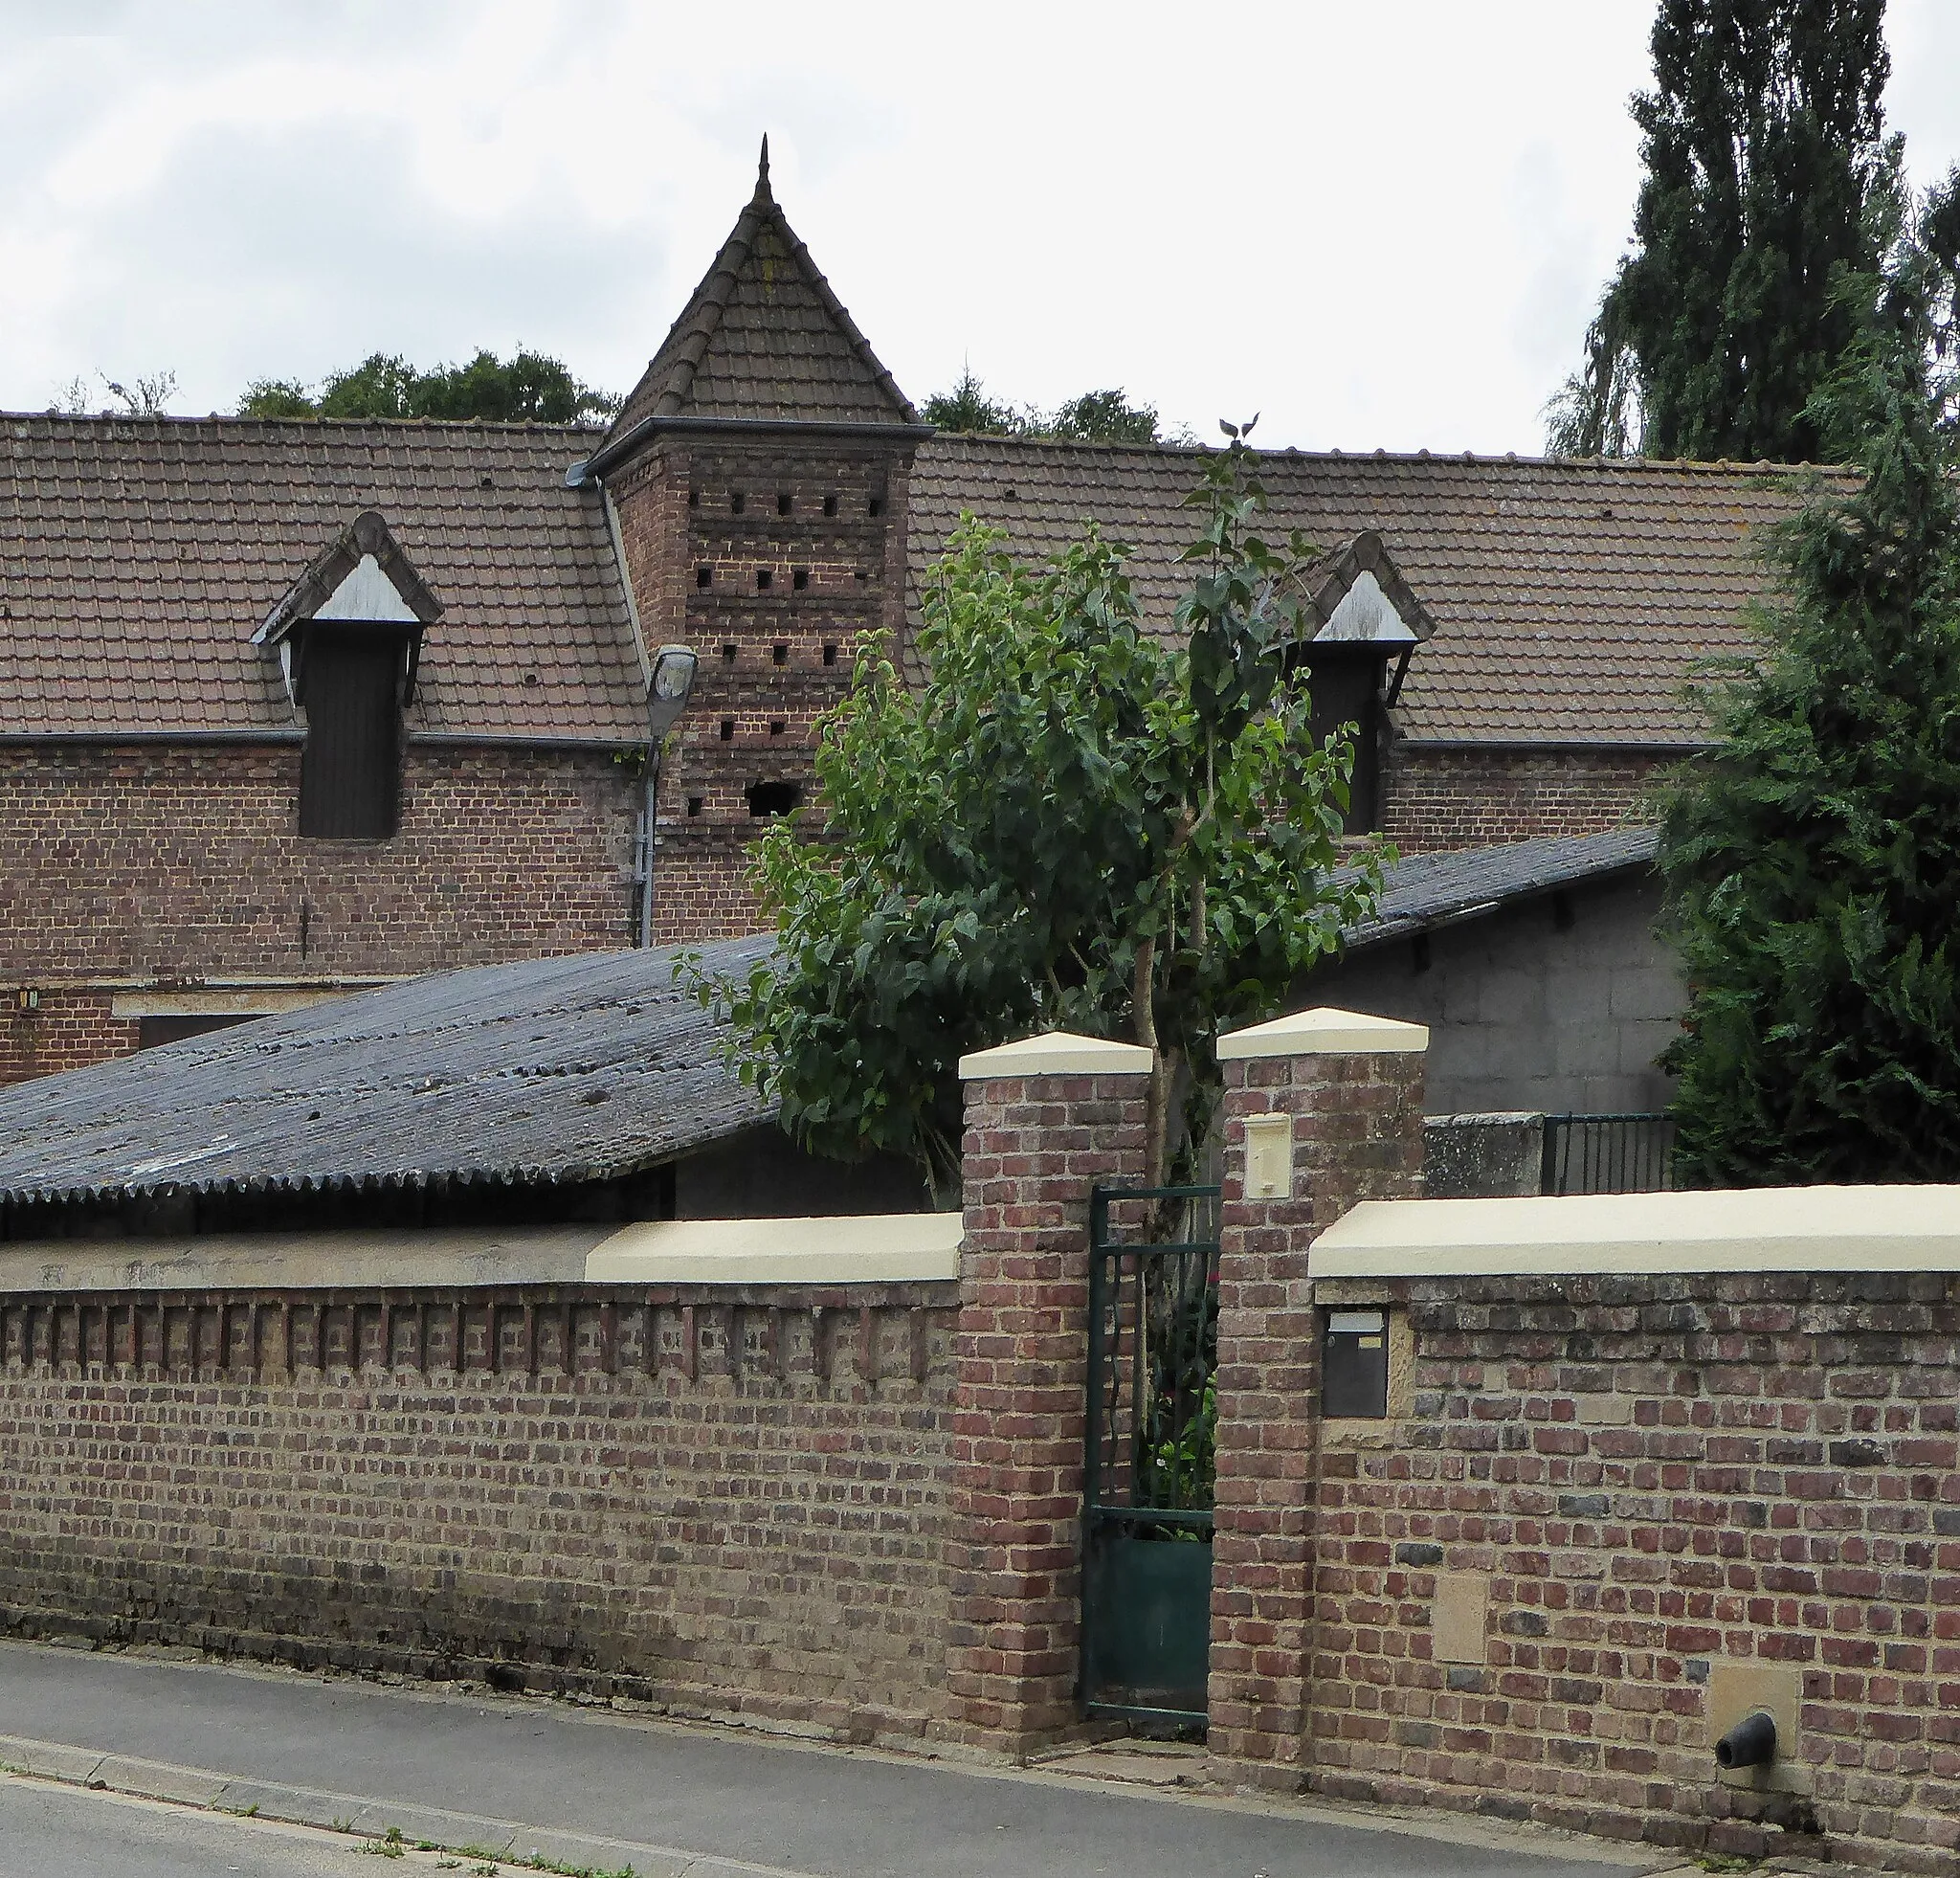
1608, 1155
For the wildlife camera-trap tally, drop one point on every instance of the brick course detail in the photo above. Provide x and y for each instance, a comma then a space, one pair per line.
1439, 799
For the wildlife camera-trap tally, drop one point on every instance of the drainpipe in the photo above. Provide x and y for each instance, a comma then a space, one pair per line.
673, 679
649, 838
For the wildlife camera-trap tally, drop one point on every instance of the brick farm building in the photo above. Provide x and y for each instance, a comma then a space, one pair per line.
247, 763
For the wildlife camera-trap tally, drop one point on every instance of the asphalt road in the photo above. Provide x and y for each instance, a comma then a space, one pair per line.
714, 1795
63, 1832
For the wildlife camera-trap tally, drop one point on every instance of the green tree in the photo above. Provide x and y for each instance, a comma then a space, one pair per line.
968, 408
525, 388
1095, 417
1768, 180
1813, 865
1105, 417
1069, 823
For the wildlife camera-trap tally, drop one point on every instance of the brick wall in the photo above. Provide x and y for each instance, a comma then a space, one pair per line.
1650, 1480
730, 1500
184, 865
65, 1031
1436, 800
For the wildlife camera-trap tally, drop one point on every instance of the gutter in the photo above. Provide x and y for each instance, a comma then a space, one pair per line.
595, 466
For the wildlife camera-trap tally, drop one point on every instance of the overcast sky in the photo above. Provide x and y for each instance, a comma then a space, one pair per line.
1379, 225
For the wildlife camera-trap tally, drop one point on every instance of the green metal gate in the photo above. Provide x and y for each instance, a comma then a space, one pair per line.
1147, 1474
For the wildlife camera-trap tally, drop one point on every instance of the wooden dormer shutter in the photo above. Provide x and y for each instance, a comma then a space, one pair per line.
350, 768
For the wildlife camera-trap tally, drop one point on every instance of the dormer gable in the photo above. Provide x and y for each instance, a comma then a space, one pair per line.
349, 635
1359, 614
1356, 596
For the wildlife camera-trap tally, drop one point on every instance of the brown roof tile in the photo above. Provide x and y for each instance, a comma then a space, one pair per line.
1570, 598
763, 338
139, 557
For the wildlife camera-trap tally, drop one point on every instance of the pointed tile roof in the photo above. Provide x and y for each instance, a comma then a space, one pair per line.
764, 338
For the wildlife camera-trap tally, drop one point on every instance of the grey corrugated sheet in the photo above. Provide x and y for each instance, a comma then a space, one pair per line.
552, 1070
1433, 889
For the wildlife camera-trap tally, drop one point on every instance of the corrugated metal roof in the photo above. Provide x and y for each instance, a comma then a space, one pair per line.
1435, 890
555, 1070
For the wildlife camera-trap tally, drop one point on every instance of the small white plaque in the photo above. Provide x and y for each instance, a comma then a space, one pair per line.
1269, 1157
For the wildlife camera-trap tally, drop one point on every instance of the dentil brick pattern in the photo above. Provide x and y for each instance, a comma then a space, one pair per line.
1034, 1149
721, 1501
1357, 1134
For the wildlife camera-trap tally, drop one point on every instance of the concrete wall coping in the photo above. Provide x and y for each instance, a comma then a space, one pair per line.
876, 1248
1323, 1032
1821, 1229
857, 1249
1057, 1052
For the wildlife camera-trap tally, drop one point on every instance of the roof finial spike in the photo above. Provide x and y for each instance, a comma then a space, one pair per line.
762, 174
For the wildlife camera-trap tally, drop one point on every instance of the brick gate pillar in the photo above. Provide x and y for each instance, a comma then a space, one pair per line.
1321, 1110
1046, 1121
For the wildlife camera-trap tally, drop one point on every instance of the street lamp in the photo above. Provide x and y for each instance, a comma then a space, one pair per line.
674, 667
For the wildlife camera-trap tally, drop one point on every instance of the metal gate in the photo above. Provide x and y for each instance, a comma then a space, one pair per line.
1147, 1481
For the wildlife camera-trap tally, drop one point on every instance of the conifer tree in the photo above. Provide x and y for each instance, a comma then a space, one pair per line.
1768, 180
1813, 865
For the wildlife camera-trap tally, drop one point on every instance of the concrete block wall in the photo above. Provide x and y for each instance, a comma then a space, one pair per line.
1559, 1004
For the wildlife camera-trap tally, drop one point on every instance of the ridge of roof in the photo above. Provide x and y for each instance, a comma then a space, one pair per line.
1292, 453
232, 420
667, 388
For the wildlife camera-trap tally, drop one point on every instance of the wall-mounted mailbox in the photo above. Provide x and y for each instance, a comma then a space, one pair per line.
1269, 1157
1354, 1367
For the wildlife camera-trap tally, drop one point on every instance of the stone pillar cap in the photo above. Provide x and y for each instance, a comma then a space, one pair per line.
1057, 1052
1323, 1032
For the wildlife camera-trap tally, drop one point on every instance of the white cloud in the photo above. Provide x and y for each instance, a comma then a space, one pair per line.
1381, 225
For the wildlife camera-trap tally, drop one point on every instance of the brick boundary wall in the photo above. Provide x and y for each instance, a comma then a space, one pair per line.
1652, 1486
1035, 1146
722, 1500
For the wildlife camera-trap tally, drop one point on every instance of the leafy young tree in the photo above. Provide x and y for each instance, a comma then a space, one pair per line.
1769, 178
528, 388
1070, 823
1813, 867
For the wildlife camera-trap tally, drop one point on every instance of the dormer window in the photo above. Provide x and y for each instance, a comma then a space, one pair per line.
349, 634
1362, 618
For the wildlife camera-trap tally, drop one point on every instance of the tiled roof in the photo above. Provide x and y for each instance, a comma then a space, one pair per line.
764, 338
1570, 598
1426, 890
549, 1071
139, 557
